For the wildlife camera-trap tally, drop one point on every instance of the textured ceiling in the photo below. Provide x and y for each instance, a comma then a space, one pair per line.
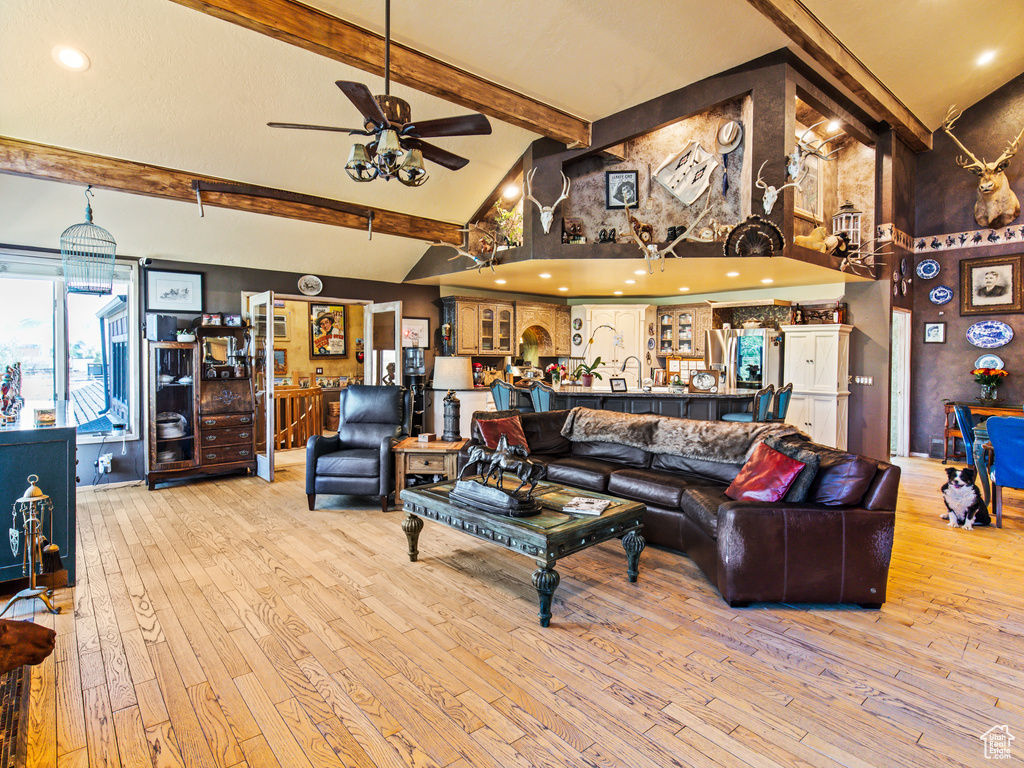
173, 87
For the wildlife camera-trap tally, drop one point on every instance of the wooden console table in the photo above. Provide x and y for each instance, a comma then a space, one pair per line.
952, 429
415, 458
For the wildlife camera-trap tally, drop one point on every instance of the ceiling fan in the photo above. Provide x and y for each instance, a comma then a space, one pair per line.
397, 149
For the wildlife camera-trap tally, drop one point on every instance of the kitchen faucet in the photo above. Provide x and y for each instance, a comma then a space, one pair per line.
639, 365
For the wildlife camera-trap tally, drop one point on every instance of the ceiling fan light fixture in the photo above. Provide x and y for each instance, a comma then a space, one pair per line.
389, 153
412, 173
359, 166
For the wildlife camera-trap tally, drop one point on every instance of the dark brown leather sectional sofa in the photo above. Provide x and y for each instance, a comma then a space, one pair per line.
810, 552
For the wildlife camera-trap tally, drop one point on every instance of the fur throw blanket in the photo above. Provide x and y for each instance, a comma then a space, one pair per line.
723, 442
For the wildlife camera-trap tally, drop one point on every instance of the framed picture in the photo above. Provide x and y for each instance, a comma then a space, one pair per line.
280, 362
327, 331
415, 331
991, 285
233, 321
214, 319
174, 291
703, 381
304, 382
934, 333
618, 385
620, 188
807, 203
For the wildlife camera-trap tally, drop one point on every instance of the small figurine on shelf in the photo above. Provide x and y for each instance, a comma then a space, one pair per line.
798, 315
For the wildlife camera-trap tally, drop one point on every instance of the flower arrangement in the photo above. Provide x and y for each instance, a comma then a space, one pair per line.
989, 377
557, 369
510, 223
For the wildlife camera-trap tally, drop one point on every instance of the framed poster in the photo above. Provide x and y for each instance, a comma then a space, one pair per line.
415, 331
620, 188
934, 333
280, 362
174, 291
807, 201
327, 330
991, 285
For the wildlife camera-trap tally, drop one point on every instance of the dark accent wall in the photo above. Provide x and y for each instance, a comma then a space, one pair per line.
945, 204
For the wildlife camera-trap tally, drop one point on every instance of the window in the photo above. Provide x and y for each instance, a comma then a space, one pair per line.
78, 348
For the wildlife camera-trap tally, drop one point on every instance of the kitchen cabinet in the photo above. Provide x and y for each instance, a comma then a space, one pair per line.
817, 362
553, 322
467, 327
680, 329
495, 329
479, 326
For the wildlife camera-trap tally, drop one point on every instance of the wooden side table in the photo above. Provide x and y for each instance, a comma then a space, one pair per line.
434, 458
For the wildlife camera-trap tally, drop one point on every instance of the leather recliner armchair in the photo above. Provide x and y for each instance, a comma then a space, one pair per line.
358, 460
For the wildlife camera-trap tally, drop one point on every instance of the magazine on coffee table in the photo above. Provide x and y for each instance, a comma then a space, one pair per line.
581, 505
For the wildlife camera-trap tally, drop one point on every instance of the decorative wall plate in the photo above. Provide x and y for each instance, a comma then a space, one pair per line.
928, 269
903, 286
989, 360
310, 285
577, 339
989, 334
940, 294
577, 323
903, 265
650, 343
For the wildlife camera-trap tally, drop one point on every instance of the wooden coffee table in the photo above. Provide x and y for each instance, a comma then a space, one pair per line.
546, 537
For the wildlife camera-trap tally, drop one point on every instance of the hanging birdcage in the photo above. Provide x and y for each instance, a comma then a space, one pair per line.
88, 255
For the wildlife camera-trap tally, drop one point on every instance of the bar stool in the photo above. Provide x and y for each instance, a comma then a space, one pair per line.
759, 409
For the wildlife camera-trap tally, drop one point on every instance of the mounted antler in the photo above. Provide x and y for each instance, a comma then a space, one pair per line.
795, 163
862, 259
650, 249
480, 261
547, 212
997, 205
653, 253
771, 193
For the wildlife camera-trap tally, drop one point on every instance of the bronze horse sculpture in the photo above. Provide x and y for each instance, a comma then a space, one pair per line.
505, 457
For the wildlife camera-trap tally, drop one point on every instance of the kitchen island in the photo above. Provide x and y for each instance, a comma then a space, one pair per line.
702, 406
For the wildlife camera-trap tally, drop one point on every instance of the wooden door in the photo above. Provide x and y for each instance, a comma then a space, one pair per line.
261, 317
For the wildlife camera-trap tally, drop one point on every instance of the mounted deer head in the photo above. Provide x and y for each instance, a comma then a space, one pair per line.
997, 205
547, 212
771, 194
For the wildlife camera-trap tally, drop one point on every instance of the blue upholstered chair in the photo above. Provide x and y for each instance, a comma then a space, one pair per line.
782, 397
965, 420
542, 396
504, 395
760, 409
1006, 434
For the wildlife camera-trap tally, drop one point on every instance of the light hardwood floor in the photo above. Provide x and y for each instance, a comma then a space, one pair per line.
222, 624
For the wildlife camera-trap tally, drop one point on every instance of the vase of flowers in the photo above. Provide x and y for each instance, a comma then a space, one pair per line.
989, 378
557, 373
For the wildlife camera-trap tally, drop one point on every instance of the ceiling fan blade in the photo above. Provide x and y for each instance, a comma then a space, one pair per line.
463, 125
437, 155
302, 126
368, 107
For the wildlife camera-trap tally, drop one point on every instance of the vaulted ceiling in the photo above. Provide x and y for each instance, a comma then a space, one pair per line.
174, 87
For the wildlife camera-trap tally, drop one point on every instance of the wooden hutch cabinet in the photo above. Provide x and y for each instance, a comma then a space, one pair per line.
200, 406
680, 329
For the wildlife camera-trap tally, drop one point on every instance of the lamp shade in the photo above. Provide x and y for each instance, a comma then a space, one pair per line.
453, 373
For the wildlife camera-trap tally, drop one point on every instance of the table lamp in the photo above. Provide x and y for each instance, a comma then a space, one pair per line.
452, 373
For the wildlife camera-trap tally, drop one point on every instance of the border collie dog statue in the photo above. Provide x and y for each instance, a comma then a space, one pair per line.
964, 505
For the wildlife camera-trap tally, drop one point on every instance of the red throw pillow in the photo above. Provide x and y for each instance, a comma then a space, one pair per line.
512, 428
766, 476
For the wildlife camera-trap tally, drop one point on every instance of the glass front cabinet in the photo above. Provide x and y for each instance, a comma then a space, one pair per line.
173, 416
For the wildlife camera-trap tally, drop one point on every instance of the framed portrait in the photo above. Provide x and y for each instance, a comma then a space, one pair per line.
174, 291
703, 381
934, 333
991, 285
415, 332
620, 187
807, 203
280, 362
618, 385
327, 331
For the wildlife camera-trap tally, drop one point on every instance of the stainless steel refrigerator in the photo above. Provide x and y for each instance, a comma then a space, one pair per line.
748, 358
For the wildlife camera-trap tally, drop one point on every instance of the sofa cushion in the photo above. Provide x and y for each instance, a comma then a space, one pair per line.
511, 427
353, 462
798, 491
658, 488
620, 454
766, 476
701, 504
579, 472
843, 478
544, 432
711, 470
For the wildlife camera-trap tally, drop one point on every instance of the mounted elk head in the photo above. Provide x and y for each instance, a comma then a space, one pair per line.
771, 194
547, 212
997, 205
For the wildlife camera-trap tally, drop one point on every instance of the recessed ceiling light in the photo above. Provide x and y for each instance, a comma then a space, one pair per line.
500, 282
71, 58
684, 289
563, 288
639, 272
545, 275
511, 192
986, 58
833, 126
631, 282
732, 274
617, 293
767, 280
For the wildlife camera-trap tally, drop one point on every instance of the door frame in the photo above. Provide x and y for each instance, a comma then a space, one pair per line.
370, 360
264, 461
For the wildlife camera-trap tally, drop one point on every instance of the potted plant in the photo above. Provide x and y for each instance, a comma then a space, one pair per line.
586, 373
989, 378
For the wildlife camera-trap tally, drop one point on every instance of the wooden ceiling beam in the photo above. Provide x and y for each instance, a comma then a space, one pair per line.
326, 35
41, 161
815, 39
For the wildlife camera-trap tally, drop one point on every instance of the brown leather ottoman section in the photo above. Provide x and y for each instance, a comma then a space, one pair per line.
582, 473
659, 488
